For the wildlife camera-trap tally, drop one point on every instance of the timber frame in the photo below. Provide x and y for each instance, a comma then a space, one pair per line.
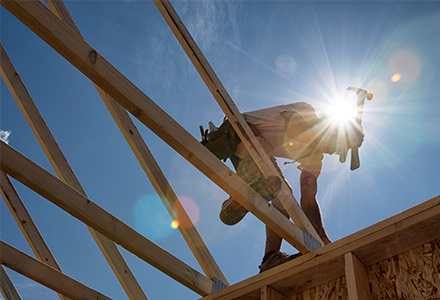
348, 261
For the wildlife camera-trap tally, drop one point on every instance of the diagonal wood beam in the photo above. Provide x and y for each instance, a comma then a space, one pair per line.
46, 275
164, 189
232, 113
26, 224
75, 203
64, 171
151, 168
7, 288
72, 47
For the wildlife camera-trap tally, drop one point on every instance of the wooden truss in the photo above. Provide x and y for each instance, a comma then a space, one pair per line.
349, 256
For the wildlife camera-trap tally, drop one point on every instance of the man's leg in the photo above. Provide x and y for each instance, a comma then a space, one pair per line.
309, 188
272, 254
232, 212
273, 240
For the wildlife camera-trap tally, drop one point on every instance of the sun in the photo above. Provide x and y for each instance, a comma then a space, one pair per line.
342, 111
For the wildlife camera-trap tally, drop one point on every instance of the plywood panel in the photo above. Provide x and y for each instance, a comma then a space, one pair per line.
414, 274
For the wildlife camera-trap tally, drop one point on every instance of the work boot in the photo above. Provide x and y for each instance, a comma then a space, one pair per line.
232, 212
275, 259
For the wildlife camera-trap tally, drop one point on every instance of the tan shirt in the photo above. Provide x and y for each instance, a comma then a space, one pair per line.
271, 124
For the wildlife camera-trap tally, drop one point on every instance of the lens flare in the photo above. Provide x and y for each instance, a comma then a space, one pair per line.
151, 217
285, 64
191, 209
407, 64
342, 111
175, 224
396, 77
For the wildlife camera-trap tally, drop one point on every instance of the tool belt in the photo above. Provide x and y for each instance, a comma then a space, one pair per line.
222, 142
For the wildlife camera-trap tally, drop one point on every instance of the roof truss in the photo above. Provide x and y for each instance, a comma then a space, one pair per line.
349, 256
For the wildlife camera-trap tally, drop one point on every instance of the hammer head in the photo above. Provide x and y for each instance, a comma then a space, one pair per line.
361, 93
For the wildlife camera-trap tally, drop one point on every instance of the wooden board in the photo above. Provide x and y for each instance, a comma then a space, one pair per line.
357, 278
332, 290
7, 288
64, 171
154, 173
79, 206
46, 275
72, 47
414, 274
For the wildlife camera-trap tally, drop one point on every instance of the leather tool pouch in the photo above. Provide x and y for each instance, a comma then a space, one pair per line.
221, 142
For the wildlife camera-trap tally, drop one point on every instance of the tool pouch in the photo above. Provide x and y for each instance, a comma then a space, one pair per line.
222, 142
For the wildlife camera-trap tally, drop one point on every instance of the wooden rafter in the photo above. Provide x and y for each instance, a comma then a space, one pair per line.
151, 168
164, 189
71, 46
26, 224
75, 203
231, 111
46, 275
8, 290
64, 171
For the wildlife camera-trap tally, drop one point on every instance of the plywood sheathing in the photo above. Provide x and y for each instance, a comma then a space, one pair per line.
414, 274
333, 290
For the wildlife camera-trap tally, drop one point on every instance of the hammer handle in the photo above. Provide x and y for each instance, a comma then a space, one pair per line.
355, 161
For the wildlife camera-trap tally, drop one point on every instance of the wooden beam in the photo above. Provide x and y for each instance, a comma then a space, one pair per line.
395, 235
7, 288
150, 166
72, 47
268, 293
164, 189
64, 171
82, 208
356, 275
45, 275
232, 113
26, 224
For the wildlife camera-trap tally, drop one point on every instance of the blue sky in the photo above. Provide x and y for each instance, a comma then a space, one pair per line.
265, 53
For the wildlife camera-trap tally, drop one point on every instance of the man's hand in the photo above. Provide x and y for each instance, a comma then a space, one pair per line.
355, 136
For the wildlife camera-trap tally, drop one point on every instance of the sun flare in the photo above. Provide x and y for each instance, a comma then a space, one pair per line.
342, 112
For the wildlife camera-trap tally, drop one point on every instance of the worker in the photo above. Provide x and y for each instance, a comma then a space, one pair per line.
293, 131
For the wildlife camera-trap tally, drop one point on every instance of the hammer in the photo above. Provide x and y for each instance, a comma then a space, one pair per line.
361, 94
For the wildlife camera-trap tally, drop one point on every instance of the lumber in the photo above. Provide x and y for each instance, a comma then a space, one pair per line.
26, 224
356, 275
413, 274
268, 293
164, 190
151, 168
373, 244
232, 113
45, 275
71, 46
64, 171
75, 203
7, 287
